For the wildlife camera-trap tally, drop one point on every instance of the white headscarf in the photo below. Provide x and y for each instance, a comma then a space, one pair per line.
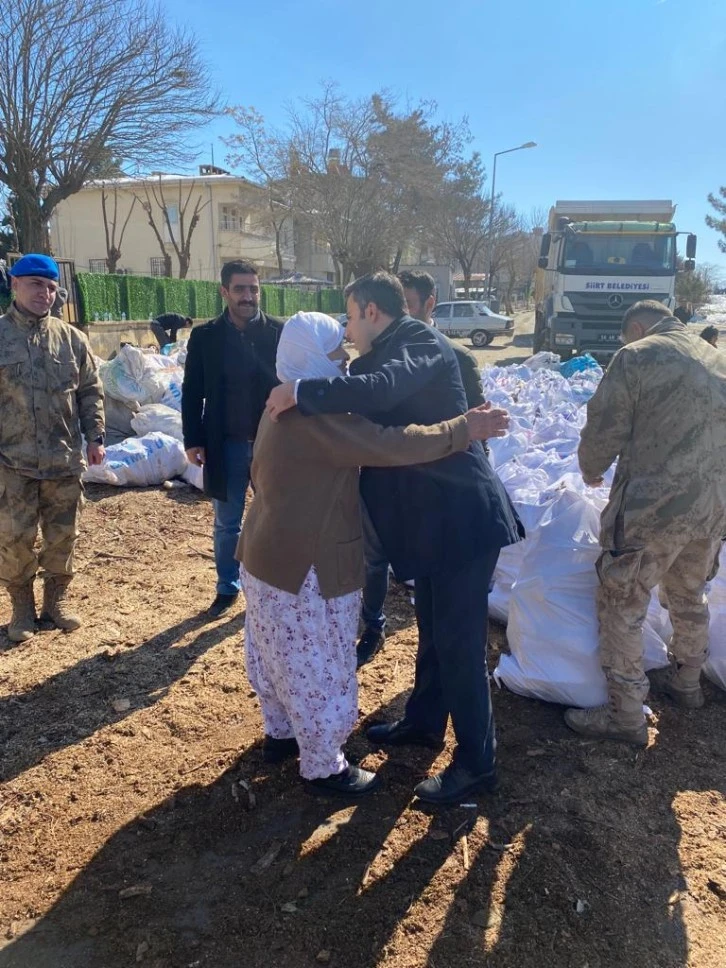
306, 340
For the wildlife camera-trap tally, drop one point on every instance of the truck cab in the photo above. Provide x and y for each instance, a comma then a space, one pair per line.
597, 260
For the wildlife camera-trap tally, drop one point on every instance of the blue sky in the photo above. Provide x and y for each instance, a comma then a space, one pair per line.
626, 99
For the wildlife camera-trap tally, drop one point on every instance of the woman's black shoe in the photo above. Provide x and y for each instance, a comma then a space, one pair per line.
277, 750
351, 782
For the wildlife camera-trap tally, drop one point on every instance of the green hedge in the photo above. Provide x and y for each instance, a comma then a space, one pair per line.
207, 300
332, 301
99, 294
175, 295
271, 300
139, 296
144, 297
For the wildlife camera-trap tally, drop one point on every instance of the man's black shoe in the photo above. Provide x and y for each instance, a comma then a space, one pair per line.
454, 784
352, 782
221, 605
369, 644
277, 750
401, 733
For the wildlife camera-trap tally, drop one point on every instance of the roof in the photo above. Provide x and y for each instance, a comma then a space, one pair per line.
127, 182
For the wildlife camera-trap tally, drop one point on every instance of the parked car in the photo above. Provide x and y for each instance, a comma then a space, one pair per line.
473, 319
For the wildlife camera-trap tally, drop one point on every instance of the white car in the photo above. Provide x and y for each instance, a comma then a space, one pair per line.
473, 319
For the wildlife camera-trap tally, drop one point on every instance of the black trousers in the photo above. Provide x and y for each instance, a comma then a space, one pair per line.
452, 678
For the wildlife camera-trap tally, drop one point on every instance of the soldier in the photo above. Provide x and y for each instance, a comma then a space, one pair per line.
50, 391
661, 411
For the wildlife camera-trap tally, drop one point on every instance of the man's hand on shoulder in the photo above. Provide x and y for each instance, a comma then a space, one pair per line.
281, 398
486, 421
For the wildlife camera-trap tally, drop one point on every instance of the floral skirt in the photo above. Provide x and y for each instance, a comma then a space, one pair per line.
301, 662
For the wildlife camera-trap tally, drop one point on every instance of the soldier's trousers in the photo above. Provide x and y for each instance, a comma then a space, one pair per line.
627, 579
26, 503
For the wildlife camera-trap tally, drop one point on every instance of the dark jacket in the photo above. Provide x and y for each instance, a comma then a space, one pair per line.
203, 397
429, 517
470, 374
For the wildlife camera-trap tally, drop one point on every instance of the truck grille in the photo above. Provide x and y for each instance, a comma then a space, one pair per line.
592, 309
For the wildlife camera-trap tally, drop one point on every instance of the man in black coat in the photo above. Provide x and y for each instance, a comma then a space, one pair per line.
166, 326
442, 524
229, 372
419, 290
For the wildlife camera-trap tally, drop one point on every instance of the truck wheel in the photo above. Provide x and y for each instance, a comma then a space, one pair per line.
481, 338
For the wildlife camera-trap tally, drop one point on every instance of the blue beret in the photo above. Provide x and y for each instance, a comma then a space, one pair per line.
35, 265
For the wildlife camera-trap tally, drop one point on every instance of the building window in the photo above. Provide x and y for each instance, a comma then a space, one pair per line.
158, 265
97, 265
231, 219
172, 211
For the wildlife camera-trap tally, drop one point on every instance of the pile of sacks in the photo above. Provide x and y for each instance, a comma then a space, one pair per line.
544, 587
143, 393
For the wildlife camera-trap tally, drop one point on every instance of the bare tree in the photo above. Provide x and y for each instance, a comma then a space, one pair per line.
332, 187
180, 234
358, 173
84, 80
113, 232
458, 228
263, 154
518, 252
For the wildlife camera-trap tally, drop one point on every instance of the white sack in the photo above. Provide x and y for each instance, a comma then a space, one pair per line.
715, 667
157, 416
140, 462
543, 360
552, 629
137, 378
194, 474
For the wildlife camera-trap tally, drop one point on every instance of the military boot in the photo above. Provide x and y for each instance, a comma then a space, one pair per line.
683, 685
55, 608
602, 722
22, 624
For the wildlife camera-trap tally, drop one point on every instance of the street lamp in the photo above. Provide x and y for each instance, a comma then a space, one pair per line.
529, 144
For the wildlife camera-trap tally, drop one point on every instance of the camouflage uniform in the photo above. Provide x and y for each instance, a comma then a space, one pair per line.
661, 411
49, 391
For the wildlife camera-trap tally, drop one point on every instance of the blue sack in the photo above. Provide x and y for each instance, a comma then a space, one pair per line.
577, 364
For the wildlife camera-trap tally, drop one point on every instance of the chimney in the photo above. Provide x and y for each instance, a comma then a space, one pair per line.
333, 160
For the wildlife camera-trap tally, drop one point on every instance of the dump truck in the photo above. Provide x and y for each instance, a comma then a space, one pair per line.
597, 259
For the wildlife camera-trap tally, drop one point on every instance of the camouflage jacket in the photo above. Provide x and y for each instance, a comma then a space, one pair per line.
661, 411
50, 390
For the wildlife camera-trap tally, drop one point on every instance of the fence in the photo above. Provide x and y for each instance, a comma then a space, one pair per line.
104, 296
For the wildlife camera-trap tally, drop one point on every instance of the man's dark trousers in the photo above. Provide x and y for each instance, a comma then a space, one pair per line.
451, 665
376, 586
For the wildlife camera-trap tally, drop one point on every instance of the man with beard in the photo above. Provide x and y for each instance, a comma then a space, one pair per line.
229, 372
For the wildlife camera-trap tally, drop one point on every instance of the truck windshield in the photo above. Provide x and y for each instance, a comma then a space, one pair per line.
634, 255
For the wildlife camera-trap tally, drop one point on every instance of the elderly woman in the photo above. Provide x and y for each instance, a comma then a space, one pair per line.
302, 556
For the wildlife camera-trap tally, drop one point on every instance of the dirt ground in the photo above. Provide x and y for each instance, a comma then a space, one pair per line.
139, 825
512, 348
